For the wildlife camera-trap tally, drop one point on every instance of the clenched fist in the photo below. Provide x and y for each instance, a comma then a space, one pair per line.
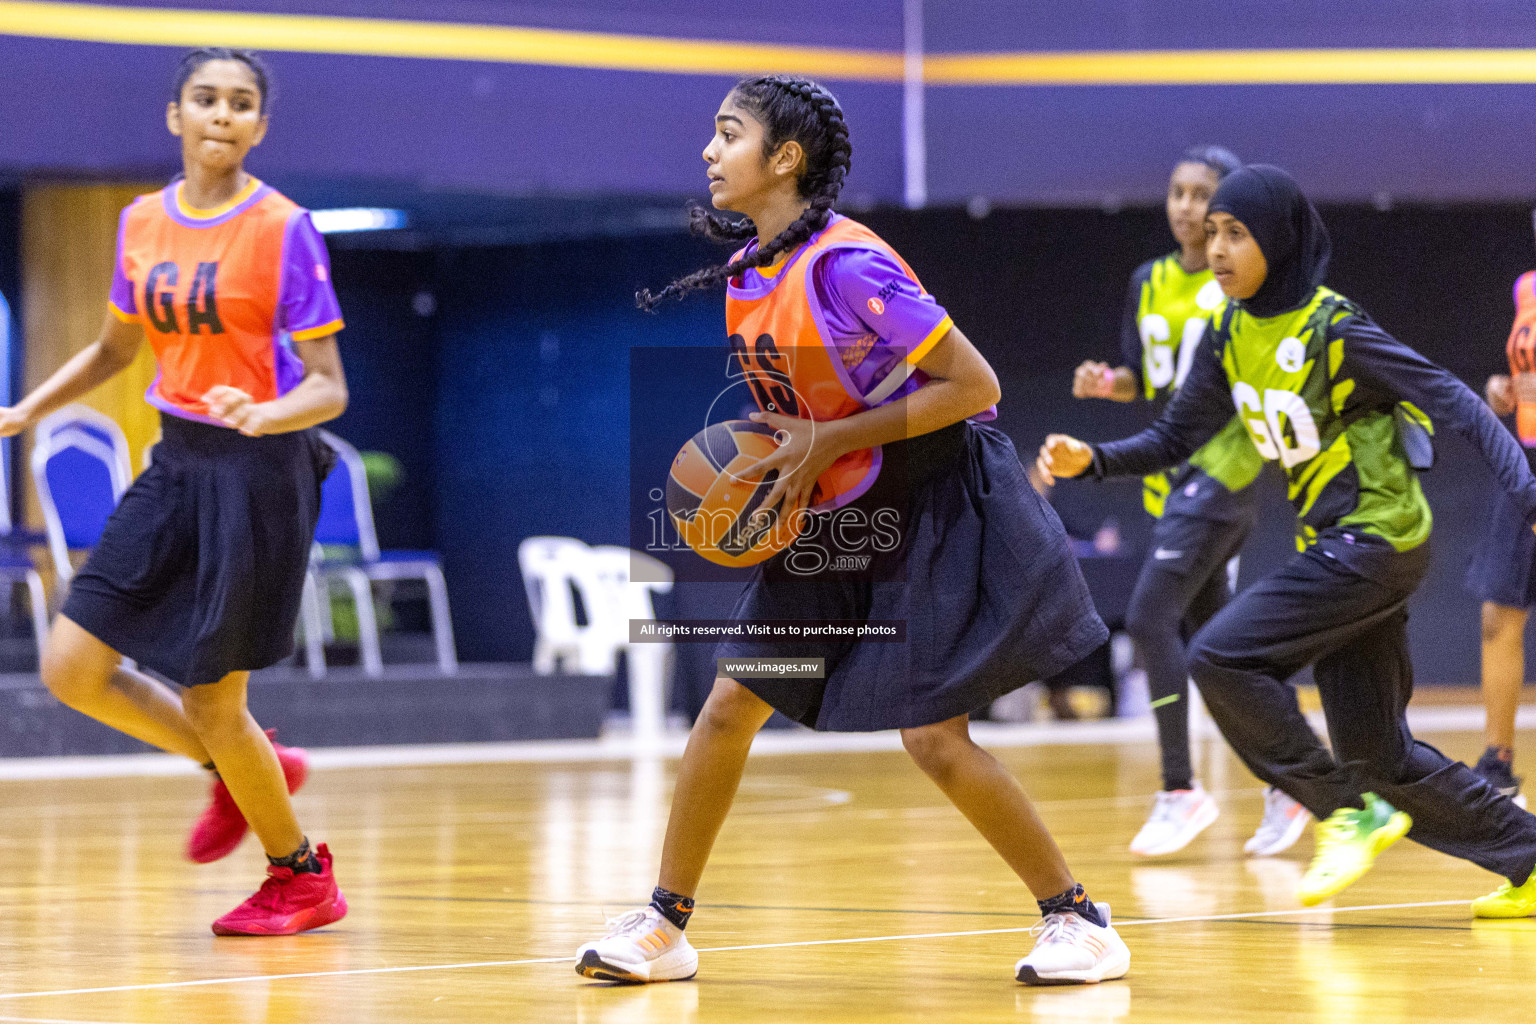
1093, 380
1063, 456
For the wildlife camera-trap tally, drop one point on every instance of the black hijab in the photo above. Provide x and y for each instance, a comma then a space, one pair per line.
1288, 230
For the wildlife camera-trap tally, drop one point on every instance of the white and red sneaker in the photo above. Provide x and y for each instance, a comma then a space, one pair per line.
1072, 950
1178, 816
640, 946
219, 829
1283, 823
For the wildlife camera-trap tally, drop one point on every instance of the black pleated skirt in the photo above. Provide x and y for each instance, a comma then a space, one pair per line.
981, 573
200, 570
1503, 568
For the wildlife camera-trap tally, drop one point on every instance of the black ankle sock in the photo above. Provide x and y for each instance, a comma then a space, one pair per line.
675, 908
1075, 900
300, 861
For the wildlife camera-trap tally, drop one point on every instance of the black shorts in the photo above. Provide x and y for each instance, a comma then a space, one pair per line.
200, 570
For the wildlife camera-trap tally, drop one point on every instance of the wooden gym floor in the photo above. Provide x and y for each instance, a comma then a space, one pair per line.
843, 889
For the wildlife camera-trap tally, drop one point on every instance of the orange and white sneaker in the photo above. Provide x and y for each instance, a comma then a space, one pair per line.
1072, 950
1283, 823
1177, 817
640, 946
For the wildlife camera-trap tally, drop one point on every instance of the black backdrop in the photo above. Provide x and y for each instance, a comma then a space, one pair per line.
499, 375
1036, 290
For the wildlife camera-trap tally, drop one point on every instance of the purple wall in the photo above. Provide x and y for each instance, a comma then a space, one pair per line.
95, 108
1076, 146
99, 108
1007, 25
865, 24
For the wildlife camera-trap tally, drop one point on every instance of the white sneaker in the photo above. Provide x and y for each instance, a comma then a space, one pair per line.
1284, 822
640, 946
1177, 817
1072, 951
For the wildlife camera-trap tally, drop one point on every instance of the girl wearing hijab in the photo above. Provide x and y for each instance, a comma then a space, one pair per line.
1204, 508
1334, 399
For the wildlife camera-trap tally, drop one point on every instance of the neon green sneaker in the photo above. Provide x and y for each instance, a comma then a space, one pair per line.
1508, 900
1348, 844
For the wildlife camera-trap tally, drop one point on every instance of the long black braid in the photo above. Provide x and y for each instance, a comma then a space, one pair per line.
789, 108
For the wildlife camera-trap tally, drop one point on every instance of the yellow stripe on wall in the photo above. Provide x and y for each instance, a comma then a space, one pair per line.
381, 37
378, 37
1236, 67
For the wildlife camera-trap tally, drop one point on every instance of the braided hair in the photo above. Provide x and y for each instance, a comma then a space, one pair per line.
790, 109
195, 59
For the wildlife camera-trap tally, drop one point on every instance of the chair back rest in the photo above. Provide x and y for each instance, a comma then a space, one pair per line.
551, 566
346, 513
81, 469
629, 599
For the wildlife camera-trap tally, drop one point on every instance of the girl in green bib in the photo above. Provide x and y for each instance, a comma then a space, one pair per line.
1205, 508
1343, 407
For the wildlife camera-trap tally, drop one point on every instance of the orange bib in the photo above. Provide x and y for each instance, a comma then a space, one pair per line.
1521, 350
791, 368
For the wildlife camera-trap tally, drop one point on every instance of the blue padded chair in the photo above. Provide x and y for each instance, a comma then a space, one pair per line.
16, 565
346, 519
81, 469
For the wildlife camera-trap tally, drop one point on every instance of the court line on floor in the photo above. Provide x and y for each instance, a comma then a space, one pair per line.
173, 809
1448, 718
204, 982
857, 940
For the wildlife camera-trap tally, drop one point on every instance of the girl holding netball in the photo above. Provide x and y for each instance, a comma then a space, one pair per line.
1204, 508
199, 571
841, 343
1338, 402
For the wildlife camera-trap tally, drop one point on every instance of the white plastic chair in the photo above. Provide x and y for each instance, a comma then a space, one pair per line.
555, 568
649, 664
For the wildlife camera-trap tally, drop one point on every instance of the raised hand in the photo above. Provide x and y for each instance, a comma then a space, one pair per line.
1501, 394
1093, 380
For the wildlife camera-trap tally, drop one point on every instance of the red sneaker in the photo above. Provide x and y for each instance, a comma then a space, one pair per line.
288, 903
221, 827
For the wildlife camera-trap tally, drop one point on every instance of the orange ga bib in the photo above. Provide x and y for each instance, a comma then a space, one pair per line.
791, 368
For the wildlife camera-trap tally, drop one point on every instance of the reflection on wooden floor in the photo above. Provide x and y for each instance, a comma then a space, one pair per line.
843, 889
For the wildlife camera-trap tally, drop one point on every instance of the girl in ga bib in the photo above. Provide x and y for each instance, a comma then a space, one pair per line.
199, 571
